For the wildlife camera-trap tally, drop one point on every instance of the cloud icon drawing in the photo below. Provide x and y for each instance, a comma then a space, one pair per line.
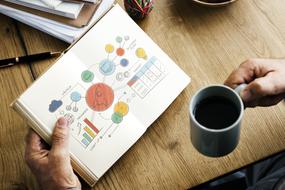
54, 105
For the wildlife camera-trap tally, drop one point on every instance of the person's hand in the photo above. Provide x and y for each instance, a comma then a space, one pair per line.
265, 79
52, 167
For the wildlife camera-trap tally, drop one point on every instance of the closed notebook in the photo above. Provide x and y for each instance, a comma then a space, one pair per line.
111, 85
85, 1
82, 20
65, 9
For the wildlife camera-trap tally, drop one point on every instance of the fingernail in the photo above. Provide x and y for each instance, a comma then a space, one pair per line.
62, 122
245, 95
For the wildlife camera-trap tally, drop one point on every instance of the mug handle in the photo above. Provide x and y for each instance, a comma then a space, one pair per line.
240, 88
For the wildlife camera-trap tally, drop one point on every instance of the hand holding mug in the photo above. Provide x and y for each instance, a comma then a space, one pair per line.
265, 79
215, 129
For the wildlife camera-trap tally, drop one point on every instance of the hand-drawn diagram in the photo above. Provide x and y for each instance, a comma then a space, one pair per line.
97, 105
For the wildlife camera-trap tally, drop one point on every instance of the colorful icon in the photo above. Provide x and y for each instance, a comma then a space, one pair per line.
109, 48
122, 108
119, 39
75, 96
140, 52
117, 118
107, 67
120, 51
87, 76
99, 97
54, 105
124, 62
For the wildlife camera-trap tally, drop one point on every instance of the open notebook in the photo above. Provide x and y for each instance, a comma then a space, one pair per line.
111, 85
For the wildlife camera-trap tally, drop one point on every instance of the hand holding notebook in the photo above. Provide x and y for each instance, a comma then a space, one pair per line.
51, 166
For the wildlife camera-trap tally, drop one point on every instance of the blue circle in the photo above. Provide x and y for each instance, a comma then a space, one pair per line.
119, 39
124, 62
75, 96
107, 67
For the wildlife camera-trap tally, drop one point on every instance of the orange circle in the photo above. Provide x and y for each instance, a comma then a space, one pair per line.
120, 51
99, 97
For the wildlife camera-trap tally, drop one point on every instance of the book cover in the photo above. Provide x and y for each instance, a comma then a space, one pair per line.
83, 19
111, 86
65, 9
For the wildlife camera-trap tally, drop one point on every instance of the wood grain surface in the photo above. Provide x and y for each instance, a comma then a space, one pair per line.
207, 44
14, 174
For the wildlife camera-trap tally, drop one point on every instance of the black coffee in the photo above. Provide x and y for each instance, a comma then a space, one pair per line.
216, 112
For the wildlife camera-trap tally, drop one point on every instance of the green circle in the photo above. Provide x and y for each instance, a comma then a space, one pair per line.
119, 39
117, 118
87, 76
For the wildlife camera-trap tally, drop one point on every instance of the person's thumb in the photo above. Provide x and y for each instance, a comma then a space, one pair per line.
258, 88
60, 137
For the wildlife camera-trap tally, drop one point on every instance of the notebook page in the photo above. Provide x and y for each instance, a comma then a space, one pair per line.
111, 85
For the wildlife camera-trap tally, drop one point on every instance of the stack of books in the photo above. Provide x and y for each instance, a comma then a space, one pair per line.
67, 20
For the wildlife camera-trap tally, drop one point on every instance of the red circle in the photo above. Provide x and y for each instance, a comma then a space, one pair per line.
99, 97
120, 51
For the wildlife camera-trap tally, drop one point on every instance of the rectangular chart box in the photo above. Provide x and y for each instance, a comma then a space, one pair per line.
151, 73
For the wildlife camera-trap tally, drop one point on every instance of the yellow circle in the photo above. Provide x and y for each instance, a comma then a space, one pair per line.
121, 108
140, 52
109, 48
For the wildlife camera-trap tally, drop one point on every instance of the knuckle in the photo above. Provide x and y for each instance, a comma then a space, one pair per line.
258, 88
59, 136
275, 88
59, 154
251, 62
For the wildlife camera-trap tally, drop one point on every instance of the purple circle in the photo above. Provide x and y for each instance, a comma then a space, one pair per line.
124, 62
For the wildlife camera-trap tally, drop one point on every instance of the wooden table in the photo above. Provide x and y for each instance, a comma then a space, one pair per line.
207, 44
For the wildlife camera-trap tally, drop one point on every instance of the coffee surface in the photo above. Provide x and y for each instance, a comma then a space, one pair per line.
216, 112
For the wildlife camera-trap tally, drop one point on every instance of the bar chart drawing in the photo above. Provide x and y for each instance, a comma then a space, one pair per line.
147, 77
88, 133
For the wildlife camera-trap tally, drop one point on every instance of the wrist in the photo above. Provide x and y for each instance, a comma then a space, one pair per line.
52, 185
